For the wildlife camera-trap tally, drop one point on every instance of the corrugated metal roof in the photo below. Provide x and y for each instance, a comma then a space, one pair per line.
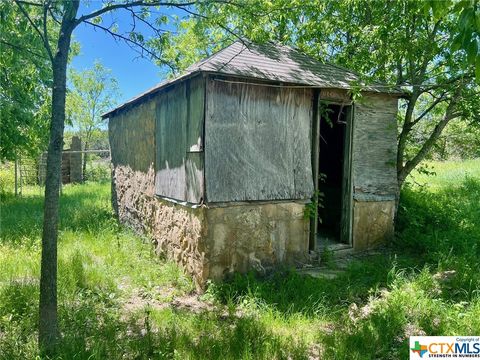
271, 62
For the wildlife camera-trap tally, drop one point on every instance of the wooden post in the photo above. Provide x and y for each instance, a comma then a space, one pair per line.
76, 160
347, 186
315, 158
16, 175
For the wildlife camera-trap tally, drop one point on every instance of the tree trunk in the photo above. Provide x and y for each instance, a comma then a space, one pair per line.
48, 324
426, 147
406, 128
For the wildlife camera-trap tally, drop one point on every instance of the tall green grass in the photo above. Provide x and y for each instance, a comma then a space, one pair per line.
118, 300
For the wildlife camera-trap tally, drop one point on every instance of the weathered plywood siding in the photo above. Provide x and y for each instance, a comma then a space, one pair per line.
257, 142
132, 135
374, 147
179, 134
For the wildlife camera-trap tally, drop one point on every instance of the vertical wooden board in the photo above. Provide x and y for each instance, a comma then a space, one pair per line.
267, 126
346, 219
112, 139
225, 138
194, 174
171, 118
131, 136
315, 150
254, 135
195, 113
302, 110
160, 135
375, 144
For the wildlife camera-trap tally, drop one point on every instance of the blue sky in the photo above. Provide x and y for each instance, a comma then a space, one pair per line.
134, 74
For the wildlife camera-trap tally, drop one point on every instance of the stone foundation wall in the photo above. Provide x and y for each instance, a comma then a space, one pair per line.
176, 230
372, 223
241, 237
211, 242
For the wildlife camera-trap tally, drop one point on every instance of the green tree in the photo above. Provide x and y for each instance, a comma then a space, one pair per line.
404, 43
25, 80
39, 14
468, 23
93, 92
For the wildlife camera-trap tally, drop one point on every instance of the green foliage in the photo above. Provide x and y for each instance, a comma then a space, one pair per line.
97, 170
25, 95
92, 93
468, 23
402, 43
311, 209
7, 179
377, 304
117, 299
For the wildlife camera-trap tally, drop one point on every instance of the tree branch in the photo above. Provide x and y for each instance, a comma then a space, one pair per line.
24, 49
238, 37
428, 144
131, 42
29, 19
29, 3
130, 5
435, 103
46, 7
53, 16
156, 30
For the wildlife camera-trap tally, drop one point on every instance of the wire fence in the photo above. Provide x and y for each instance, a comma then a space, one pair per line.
77, 166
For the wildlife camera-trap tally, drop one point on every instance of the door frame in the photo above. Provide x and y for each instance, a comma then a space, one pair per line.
347, 183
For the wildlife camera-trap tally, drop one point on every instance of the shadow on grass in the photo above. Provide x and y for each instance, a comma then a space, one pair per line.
93, 326
82, 208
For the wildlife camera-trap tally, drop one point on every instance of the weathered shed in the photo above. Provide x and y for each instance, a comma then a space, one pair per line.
219, 165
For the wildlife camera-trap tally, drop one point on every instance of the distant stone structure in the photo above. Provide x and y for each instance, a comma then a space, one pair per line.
72, 161
76, 161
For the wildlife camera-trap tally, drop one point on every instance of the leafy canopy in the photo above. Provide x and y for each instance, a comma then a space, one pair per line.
24, 80
92, 93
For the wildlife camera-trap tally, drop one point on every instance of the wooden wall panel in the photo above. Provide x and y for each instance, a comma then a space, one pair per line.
132, 135
194, 174
179, 141
374, 147
196, 113
171, 133
257, 142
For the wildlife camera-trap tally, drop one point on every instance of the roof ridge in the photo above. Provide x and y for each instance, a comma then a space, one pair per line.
299, 52
274, 62
210, 57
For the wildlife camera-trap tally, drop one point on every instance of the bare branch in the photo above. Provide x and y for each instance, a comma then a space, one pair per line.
134, 45
430, 108
238, 37
135, 16
130, 5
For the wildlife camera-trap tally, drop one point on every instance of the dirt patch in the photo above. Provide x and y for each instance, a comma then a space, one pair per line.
139, 300
191, 303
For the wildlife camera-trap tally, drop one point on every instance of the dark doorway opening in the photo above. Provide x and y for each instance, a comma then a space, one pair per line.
333, 169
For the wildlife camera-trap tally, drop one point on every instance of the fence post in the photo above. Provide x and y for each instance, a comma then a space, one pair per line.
76, 162
16, 175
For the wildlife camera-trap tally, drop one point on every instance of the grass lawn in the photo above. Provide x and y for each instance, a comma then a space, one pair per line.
117, 300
